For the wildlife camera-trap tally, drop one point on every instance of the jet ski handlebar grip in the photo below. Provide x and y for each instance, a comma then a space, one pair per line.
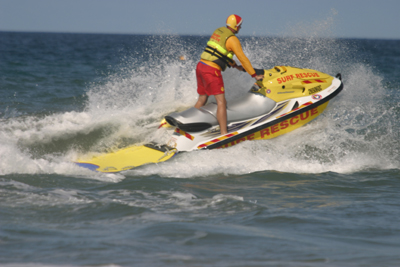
259, 71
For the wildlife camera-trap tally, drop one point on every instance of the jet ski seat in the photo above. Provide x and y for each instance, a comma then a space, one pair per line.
249, 106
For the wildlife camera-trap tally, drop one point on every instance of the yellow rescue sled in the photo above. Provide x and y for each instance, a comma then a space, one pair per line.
127, 158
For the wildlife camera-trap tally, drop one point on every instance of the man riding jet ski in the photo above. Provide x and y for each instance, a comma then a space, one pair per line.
218, 54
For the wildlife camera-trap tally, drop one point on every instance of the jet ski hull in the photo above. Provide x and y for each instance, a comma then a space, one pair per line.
276, 129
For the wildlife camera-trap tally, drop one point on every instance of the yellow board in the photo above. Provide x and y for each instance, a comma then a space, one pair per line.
127, 158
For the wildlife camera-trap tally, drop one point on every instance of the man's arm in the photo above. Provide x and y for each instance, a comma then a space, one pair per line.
233, 44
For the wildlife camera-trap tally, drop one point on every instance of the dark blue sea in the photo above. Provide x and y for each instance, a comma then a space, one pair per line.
326, 194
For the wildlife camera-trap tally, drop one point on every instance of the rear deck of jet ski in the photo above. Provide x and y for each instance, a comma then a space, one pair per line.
194, 120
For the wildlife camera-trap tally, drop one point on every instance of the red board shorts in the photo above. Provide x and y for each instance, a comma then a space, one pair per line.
209, 80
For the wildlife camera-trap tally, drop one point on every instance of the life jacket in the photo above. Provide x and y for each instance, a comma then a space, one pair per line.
215, 50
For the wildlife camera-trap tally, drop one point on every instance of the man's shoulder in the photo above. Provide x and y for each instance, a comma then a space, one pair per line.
233, 38
221, 29
232, 43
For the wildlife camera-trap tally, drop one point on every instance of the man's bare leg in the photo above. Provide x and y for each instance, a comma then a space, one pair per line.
201, 101
221, 113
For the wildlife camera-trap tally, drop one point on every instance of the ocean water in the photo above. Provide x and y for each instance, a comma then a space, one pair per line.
326, 194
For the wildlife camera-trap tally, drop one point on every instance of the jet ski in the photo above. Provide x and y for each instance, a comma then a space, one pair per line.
287, 98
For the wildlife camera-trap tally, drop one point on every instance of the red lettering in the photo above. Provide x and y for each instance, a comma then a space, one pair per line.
250, 137
314, 111
303, 75
292, 120
286, 78
304, 115
284, 125
274, 129
240, 140
216, 37
264, 132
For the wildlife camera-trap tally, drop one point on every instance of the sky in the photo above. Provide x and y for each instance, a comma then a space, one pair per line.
372, 19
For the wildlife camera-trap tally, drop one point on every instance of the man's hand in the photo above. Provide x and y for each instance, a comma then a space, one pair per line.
259, 77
